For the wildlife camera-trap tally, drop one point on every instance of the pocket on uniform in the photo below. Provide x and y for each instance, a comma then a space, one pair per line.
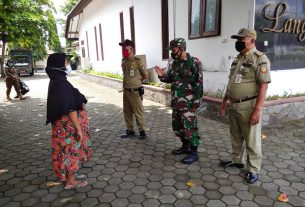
248, 73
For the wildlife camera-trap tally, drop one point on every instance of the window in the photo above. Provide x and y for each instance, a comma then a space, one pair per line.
122, 26
87, 44
132, 30
83, 52
96, 47
204, 18
165, 41
101, 41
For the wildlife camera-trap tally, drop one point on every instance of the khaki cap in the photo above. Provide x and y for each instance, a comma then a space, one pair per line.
245, 32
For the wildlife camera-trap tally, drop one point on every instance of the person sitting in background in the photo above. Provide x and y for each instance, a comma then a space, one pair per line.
67, 113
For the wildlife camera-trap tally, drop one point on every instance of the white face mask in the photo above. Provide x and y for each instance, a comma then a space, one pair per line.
68, 69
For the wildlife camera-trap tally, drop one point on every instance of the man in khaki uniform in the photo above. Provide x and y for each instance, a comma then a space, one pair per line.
12, 79
134, 72
246, 91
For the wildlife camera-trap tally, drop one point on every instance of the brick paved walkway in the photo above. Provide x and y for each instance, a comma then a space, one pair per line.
135, 172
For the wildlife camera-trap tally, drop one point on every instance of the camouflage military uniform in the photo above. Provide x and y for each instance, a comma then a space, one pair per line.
186, 92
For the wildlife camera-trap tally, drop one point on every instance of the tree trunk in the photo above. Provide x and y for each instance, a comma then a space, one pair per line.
2, 60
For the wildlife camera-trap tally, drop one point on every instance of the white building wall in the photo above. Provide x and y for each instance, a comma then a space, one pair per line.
216, 53
147, 31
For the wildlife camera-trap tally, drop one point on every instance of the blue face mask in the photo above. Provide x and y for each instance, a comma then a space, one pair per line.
68, 69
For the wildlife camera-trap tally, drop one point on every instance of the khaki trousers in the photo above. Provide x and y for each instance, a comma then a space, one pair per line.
12, 82
133, 106
245, 138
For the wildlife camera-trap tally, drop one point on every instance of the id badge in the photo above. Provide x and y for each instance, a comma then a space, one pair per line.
131, 73
238, 78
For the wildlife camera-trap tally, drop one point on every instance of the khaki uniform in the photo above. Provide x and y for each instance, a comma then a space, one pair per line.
133, 71
247, 72
12, 80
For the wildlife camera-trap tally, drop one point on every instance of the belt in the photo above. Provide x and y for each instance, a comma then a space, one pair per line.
243, 100
131, 89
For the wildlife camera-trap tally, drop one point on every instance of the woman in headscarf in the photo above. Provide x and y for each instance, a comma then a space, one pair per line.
70, 131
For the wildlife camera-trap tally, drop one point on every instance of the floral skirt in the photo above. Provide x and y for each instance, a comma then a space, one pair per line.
67, 153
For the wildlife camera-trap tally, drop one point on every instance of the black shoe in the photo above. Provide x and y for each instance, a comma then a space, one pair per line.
231, 164
181, 151
251, 177
128, 133
142, 134
193, 157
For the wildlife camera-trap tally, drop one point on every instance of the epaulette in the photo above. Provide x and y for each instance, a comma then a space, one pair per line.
124, 58
258, 53
137, 58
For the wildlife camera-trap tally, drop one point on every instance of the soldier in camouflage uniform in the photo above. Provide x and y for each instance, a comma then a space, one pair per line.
134, 72
185, 76
246, 91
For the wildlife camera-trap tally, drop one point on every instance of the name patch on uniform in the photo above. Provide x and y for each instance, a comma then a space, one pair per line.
263, 69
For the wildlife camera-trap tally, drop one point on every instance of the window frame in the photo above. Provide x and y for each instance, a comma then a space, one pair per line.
202, 20
165, 30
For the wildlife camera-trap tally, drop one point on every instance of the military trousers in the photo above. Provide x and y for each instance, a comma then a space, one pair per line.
185, 126
245, 138
12, 82
133, 106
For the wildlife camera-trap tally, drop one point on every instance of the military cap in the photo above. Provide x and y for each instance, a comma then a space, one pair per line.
245, 32
126, 43
177, 42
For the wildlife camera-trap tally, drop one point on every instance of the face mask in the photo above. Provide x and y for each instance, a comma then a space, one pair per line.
68, 69
240, 46
175, 56
125, 53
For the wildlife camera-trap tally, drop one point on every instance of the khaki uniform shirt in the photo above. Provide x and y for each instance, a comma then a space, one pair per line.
10, 73
247, 72
133, 71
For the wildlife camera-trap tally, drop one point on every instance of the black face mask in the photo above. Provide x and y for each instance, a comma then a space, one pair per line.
240, 46
175, 56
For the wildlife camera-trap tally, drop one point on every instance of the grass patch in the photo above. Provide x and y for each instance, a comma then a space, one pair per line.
103, 74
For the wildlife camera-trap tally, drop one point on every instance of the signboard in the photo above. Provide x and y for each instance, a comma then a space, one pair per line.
280, 27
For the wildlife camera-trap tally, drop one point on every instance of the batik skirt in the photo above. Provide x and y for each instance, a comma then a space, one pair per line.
67, 152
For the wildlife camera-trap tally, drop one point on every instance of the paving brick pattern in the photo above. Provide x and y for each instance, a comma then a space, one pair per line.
133, 172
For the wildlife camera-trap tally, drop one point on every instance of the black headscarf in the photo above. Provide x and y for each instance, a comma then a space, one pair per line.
63, 98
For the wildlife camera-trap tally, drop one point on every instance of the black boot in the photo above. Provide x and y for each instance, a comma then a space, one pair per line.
142, 134
128, 133
192, 157
185, 149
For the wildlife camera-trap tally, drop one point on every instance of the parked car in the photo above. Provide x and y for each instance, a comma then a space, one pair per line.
23, 61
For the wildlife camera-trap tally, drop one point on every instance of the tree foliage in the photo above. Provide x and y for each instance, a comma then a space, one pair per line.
30, 25
68, 6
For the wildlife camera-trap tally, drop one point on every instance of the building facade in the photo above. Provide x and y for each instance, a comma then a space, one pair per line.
99, 25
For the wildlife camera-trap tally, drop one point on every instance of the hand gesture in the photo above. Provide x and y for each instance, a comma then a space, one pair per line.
79, 136
159, 71
255, 117
223, 108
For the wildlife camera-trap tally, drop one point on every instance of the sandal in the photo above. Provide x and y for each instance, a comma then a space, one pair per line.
78, 184
80, 176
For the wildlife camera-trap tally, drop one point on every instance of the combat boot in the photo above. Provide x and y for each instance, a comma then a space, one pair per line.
8, 98
142, 134
128, 132
185, 149
192, 157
